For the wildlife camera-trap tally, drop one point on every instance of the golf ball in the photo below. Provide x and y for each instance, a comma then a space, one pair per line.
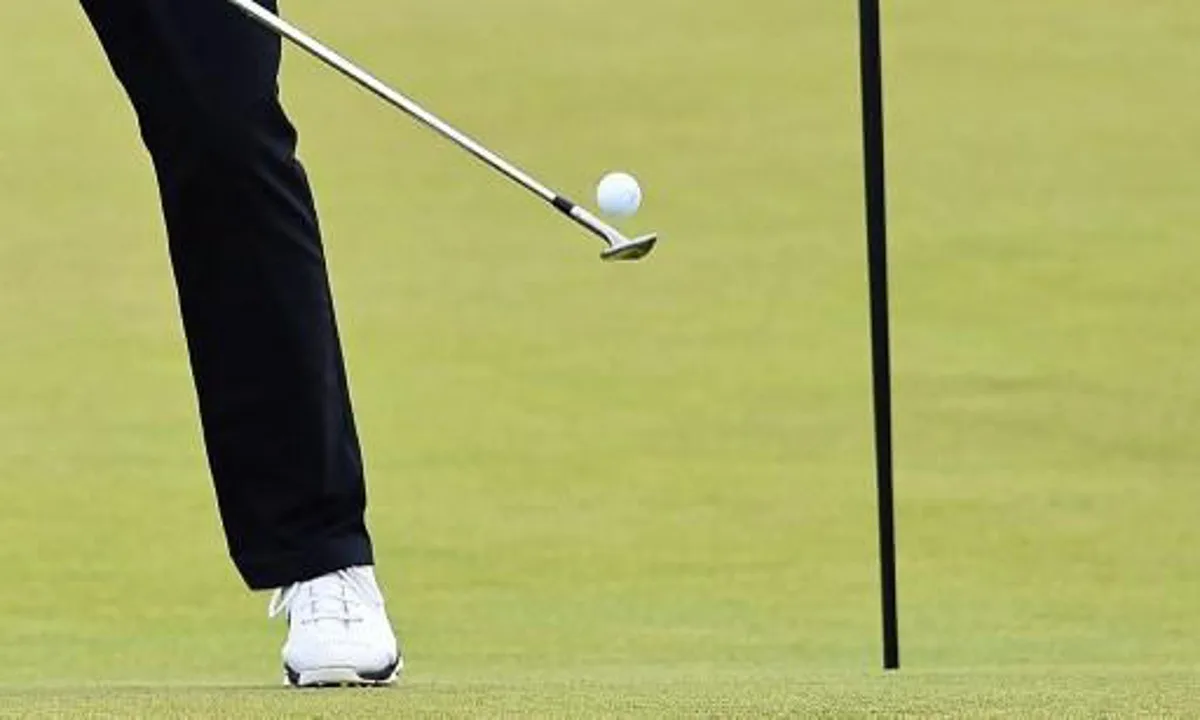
619, 194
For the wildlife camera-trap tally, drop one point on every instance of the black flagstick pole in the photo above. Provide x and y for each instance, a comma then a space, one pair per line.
873, 163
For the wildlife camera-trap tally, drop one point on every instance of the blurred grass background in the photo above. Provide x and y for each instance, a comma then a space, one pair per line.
654, 476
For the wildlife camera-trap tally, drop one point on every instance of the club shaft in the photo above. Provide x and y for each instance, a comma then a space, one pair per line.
368, 81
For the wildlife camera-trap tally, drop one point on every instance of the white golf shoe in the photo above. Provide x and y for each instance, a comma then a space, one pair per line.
338, 631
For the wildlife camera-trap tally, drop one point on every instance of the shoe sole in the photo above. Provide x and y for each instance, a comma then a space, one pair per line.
343, 677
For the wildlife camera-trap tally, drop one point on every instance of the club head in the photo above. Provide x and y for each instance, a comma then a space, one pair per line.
630, 250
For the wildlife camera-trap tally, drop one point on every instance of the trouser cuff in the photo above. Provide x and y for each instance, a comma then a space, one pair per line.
270, 571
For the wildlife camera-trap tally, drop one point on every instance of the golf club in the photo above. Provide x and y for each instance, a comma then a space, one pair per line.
618, 247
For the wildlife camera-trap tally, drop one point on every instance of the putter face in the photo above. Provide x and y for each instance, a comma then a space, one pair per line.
635, 249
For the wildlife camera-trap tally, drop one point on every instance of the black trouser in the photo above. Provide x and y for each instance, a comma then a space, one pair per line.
253, 290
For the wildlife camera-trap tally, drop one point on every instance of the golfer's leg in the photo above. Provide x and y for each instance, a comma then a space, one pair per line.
252, 284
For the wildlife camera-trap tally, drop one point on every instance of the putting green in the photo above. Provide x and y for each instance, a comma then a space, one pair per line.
646, 489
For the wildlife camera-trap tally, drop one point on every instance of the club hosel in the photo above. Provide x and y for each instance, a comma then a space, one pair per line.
594, 224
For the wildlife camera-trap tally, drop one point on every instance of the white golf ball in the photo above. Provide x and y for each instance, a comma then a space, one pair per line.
619, 194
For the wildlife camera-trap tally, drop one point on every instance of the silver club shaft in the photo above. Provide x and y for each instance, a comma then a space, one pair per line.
625, 248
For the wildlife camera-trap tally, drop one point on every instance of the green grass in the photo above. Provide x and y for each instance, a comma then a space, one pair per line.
648, 692
648, 489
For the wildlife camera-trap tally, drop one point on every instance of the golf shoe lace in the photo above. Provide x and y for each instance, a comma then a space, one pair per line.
343, 596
